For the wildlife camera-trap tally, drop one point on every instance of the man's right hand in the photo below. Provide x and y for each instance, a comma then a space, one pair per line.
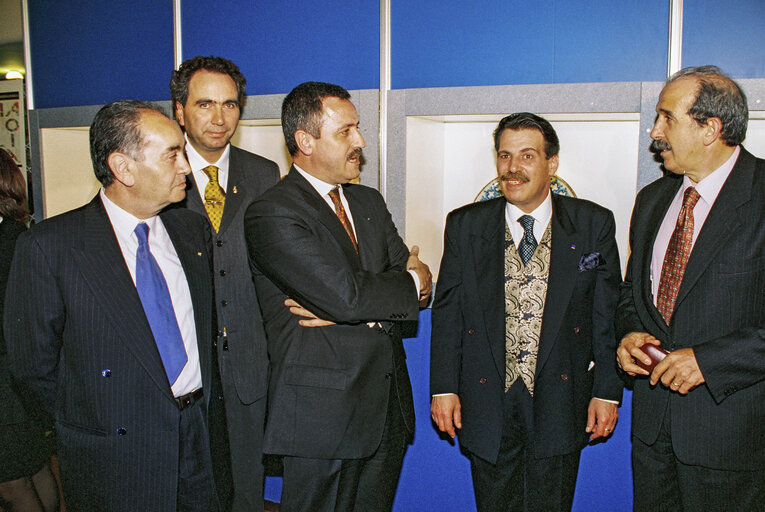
422, 270
629, 351
446, 412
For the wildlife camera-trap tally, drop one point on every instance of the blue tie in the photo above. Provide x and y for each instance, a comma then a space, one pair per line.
155, 298
529, 244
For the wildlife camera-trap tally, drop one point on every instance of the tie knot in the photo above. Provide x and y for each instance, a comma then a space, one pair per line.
691, 197
212, 173
142, 232
334, 194
527, 222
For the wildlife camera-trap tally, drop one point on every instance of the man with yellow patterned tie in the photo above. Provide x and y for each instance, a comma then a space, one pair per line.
208, 93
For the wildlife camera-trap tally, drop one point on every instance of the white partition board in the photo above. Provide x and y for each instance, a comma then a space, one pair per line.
451, 158
265, 138
68, 180
67, 173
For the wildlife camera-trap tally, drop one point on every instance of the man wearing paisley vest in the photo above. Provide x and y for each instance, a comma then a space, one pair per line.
523, 345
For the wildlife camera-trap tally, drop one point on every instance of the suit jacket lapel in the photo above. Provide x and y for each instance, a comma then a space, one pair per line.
193, 199
656, 210
195, 267
234, 190
489, 262
104, 270
325, 215
365, 231
565, 252
722, 222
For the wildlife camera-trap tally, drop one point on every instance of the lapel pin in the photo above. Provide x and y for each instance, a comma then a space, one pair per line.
234, 189
573, 246
199, 254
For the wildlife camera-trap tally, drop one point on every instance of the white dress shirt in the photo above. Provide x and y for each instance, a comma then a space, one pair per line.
197, 163
708, 189
162, 249
542, 215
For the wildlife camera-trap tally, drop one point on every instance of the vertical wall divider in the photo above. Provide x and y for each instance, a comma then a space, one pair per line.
177, 34
675, 44
384, 88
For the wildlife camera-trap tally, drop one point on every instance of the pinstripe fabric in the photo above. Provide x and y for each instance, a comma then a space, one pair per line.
719, 312
79, 339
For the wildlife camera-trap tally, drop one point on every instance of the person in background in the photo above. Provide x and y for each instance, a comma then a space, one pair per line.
26, 481
208, 95
695, 286
522, 347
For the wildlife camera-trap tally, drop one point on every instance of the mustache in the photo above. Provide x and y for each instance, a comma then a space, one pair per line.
356, 153
514, 176
657, 146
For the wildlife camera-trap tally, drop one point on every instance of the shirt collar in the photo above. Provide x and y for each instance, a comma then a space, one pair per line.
322, 187
124, 223
710, 186
542, 214
197, 162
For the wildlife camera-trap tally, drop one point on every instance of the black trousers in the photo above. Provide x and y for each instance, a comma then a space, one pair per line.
518, 482
664, 483
196, 483
358, 485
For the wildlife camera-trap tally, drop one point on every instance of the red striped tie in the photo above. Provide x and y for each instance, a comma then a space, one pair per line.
334, 194
678, 252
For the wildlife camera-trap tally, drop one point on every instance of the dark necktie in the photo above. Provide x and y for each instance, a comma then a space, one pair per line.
334, 194
678, 252
215, 197
155, 298
529, 244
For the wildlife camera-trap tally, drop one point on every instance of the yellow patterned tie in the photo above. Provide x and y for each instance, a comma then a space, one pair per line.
215, 197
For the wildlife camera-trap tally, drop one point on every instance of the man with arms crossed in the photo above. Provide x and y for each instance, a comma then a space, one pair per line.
111, 322
695, 285
207, 96
523, 341
340, 402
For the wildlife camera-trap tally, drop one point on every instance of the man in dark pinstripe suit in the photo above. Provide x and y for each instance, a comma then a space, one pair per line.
83, 336
695, 285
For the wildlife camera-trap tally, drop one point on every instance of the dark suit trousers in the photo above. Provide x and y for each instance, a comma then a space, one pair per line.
358, 485
518, 482
196, 485
245, 431
663, 483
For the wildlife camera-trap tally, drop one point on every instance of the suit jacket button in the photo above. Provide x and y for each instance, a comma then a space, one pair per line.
121, 431
224, 303
564, 376
106, 372
482, 380
388, 375
576, 330
219, 243
225, 344
222, 273
471, 331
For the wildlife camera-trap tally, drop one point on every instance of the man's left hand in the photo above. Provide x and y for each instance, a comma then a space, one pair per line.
601, 418
679, 371
310, 320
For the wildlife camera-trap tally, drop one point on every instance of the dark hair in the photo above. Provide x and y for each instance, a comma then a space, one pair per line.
13, 189
302, 109
179, 82
117, 127
529, 121
718, 96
